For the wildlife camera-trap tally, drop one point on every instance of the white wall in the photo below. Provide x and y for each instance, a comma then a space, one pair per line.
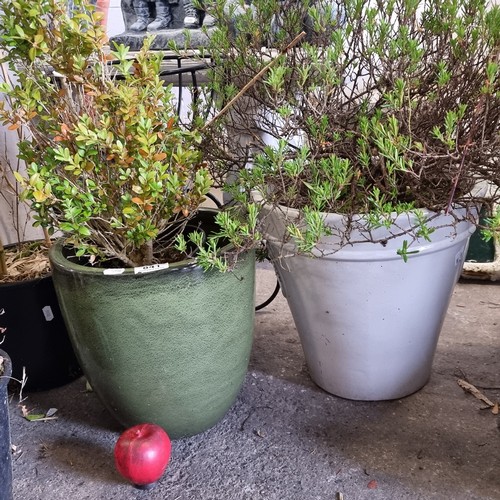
116, 25
11, 215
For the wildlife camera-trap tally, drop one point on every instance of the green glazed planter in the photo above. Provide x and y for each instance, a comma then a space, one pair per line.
169, 347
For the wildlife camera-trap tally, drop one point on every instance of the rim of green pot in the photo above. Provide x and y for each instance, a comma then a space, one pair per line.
58, 260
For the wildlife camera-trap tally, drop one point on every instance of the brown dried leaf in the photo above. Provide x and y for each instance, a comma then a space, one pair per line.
495, 409
372, 485
159, 156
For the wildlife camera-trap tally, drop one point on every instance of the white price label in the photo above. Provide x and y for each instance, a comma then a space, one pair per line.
113, 271
47, 312
150, 269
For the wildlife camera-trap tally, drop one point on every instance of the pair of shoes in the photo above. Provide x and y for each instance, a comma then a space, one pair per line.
162, 20
160, 23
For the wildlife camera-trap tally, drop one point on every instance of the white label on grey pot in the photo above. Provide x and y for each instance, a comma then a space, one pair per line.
47, 312
150, 269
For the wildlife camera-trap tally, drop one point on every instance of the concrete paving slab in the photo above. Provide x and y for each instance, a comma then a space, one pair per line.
287, 439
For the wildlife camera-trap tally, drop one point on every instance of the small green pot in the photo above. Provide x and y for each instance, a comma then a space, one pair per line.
169, 347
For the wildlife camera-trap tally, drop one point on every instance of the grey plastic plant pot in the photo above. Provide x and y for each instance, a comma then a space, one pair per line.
5, 451
369, 322
167, 346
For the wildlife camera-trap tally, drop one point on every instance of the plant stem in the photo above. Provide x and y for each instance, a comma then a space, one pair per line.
46, 237
478, 111
144, 255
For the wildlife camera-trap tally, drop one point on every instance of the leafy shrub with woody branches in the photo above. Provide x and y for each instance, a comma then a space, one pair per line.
382, 108
108, 162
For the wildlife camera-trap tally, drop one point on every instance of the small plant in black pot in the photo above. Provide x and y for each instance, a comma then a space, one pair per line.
33, 330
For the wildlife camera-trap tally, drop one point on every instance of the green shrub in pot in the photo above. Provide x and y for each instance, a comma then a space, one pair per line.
381, 109
110, 166
375, 132
108, 162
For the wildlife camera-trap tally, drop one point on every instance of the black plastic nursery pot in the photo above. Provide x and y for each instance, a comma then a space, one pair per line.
5, 453
35, 335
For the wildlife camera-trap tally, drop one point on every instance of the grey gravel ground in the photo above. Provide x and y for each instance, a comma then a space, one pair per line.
287, 439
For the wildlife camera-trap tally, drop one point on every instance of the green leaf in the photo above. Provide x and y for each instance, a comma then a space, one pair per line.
32, 54
19, 30
32, 417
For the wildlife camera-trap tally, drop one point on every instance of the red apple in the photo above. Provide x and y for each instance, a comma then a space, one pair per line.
142, 453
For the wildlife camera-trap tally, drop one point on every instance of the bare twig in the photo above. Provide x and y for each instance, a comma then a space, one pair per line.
471, 389
3, 265
254, 80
